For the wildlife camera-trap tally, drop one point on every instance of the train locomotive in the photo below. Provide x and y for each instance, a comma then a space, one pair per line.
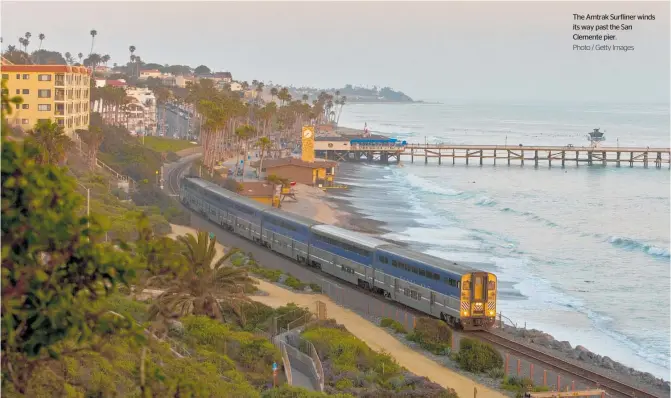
461, 296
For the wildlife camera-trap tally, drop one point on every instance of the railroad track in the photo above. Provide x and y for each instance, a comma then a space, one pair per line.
609, 384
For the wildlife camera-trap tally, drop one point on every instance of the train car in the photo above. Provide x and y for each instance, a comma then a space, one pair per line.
234, 212
438, 287
287, 233
342, 253
192, 194
239, 214
462, 296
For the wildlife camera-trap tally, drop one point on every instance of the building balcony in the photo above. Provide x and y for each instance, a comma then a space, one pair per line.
59, 112
59, 80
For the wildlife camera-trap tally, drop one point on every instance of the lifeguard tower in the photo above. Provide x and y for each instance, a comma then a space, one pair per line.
595, 138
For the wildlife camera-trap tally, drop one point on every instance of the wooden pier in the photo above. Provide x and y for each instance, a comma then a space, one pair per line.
509, 154
542, 154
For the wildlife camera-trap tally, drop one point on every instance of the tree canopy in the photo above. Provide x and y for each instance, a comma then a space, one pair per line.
202, 70
55, 268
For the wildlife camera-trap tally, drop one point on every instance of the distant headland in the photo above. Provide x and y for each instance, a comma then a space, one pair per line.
356, 94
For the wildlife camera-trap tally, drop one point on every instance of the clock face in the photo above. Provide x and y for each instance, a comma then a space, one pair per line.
307, 133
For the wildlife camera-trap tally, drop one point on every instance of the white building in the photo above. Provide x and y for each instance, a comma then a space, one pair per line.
140, 113
235, 86
147, 73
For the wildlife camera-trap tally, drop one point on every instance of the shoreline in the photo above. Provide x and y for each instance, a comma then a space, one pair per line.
347, 216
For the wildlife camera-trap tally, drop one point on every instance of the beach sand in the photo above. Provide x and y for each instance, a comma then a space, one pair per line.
311, 202
374, 336
319, 205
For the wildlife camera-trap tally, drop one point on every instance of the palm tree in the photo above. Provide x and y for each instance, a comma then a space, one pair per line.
264, 144
93, 138
259, 90
243, 133
80, 55
51, 140
343, 99
68, 58
132, 49
105, 59
93, 33
41, 36
305, 98
205, 286
26, 42
273, 93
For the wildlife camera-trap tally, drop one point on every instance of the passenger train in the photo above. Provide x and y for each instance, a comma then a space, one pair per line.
462, 296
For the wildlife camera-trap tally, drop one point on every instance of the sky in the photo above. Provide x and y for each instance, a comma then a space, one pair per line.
485, 51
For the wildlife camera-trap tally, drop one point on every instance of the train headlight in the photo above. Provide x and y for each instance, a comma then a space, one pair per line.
491, 313
465, 313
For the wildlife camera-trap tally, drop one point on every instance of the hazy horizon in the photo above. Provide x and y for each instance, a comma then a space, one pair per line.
440, 51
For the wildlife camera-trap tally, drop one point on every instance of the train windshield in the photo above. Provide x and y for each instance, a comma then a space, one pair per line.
478, 291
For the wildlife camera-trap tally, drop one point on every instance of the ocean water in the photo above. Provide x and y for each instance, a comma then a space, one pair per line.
581, 252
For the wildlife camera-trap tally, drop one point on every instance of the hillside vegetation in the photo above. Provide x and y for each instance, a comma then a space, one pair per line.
350, 366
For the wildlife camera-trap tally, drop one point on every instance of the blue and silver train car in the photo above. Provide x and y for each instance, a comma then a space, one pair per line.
441, 288
287, 234
226, 208
342, 253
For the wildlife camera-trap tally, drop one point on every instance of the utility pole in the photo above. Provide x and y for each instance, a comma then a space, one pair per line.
162, 180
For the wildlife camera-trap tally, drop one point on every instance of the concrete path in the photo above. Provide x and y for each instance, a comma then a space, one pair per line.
300, 379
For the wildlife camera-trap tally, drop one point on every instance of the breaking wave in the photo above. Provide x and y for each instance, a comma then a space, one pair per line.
633, 244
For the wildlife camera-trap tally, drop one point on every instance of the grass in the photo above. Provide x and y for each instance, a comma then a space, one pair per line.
163, 144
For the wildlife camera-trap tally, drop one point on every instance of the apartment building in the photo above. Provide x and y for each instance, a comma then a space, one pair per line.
58, 92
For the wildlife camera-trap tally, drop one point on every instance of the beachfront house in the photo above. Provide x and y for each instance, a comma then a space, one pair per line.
261, 191
318, 173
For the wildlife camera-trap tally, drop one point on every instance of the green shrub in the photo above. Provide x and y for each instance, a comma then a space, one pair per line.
315, 287
289, 313
344, 384
347, 353
294, 283
496, 373
433, 335
272, 275
287, 391
393, 324
476, 356
521, 385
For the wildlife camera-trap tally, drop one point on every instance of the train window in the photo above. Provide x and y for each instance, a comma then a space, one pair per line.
384, 260
422, 272
406, 291
459, 284
413, 294
414, 270
419, 296
436, 277
394, 263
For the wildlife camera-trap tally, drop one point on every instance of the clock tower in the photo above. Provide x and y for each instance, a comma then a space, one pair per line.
308, 144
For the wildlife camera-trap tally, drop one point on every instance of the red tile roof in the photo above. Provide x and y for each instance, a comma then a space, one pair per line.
116, 83
46, 68
270, 163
